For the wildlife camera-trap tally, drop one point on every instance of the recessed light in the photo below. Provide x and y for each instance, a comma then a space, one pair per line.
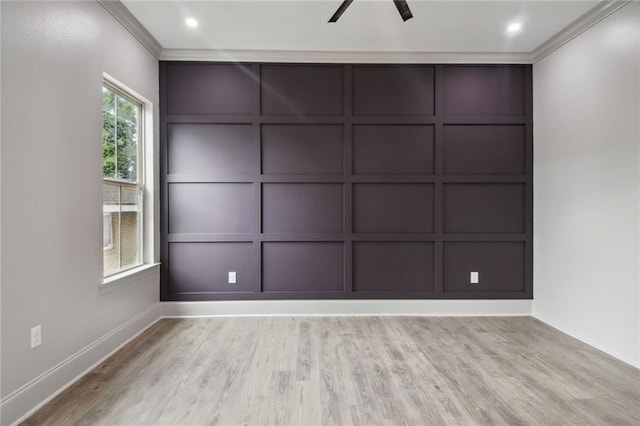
191, 22
514, 27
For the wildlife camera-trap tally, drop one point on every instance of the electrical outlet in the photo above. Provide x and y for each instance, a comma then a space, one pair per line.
232, 278
474, 278
36, 336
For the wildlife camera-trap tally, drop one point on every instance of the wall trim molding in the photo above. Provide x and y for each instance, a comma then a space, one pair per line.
577, 27
223, 308
120, 12
378, 57
26, 400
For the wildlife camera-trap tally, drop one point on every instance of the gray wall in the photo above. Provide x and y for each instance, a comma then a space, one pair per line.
587, 189
53, 58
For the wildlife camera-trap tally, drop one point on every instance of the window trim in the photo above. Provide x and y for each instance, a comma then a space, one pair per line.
129, 95
127, 277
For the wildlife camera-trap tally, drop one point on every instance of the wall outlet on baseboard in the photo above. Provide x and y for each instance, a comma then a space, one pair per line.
474, 278
232, 278
36, 336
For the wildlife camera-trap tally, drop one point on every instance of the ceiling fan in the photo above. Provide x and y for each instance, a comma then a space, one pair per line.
401, 5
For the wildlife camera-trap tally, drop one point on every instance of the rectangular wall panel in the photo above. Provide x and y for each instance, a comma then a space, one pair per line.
484, 149
484, 90
500, 266
393, 90
393, 149
392, 208
209, 149
302, 149
302, 267
302, 208
484, 207
345, 181
205, 88
220, 208
302, 90
393, 266
205, 267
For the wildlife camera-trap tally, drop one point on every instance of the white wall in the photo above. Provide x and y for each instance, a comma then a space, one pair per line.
587, 186
53, 58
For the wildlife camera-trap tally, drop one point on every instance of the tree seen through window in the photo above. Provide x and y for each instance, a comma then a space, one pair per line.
119, 136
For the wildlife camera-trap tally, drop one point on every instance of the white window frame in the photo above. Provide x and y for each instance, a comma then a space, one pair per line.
139, 185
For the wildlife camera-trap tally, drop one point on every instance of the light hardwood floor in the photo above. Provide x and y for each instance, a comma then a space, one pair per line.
352, 370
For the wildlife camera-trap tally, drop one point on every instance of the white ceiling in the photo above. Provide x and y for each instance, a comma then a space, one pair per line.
367, 25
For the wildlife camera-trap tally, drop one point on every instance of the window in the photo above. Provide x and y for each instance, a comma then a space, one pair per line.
107, 232
123, 183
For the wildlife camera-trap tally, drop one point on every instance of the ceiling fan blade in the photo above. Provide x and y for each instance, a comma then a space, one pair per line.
345, 4
404, 10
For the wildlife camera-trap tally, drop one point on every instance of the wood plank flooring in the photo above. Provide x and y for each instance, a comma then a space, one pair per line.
352, 371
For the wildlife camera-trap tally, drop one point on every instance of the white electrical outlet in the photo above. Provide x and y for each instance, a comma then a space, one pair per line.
474, 278
36, 336
232, 277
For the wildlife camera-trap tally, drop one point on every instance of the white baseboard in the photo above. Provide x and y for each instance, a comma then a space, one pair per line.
23, 402
348, 308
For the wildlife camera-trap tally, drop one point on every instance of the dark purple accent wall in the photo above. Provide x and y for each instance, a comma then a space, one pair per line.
215, 149
393, 266
194, 267
303, 267
501, 265
392, 149
210, 208
213, 89
392, 90
301, 90
302, 208
308, 149
315, 181
392, 208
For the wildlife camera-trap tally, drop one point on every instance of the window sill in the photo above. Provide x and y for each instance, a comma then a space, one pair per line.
127, 277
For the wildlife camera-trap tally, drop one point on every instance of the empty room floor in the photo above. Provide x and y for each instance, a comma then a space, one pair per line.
352, 370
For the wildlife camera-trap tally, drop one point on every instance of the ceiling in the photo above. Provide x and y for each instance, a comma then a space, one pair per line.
367, 25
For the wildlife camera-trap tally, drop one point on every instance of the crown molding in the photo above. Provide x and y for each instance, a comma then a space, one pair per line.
577, 27
126, 18
300, 56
